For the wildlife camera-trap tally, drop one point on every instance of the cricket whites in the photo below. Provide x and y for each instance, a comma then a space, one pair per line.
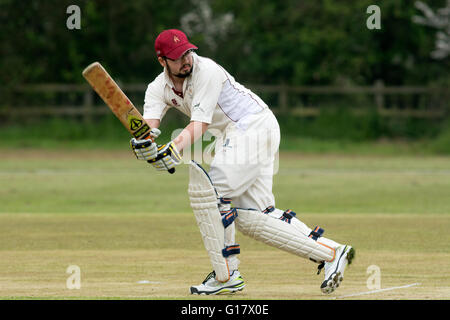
117, 101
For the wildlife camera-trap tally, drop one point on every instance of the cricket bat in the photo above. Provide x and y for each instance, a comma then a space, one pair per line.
118, 102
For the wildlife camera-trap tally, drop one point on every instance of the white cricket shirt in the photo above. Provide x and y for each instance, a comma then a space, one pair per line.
210, 94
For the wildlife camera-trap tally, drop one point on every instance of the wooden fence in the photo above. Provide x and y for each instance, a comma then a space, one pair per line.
90, 104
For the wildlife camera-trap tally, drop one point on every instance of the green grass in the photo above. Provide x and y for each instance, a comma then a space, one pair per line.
121, 222
115, 182
115, 252
392, 147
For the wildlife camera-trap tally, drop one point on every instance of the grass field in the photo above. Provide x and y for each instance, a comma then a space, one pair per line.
121, 223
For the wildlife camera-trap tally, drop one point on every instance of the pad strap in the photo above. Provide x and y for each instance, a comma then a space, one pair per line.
269, 210
287, 216
316, 233
228, 216
225, 200
229, 250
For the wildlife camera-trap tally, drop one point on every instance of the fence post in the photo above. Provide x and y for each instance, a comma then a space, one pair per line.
379, 95
283, 98
88, 105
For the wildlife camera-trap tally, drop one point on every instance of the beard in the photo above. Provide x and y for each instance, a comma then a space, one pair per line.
181, 75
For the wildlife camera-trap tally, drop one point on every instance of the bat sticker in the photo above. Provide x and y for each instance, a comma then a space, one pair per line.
141, 131
134, 122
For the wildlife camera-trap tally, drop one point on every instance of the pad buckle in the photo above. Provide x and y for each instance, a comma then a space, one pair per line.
316, 233
269, 210
287, 216
228, 216
229, 250
225, 200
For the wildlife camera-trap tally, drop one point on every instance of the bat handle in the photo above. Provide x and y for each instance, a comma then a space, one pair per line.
171, 170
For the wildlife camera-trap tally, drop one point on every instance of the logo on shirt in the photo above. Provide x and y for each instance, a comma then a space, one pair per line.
174, 101
227, 144
197, 106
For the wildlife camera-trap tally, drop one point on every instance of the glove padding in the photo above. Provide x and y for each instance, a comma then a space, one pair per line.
145, 149
168, 157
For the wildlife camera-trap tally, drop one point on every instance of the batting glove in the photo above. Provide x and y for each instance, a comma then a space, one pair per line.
154, 133
145, 149
168, 157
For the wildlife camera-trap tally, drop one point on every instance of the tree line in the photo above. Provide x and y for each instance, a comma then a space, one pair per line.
291, 41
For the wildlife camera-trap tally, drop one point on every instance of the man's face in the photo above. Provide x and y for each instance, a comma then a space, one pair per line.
182, 67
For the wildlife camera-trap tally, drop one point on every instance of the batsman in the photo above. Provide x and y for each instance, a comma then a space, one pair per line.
236, 193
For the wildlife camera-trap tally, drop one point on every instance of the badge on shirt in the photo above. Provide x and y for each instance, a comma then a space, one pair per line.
197, 107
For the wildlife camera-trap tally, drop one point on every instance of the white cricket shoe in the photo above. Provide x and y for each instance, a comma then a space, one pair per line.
211, 286
334, 270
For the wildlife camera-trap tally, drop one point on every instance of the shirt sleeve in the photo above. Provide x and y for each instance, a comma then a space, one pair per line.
207, 90
155, 106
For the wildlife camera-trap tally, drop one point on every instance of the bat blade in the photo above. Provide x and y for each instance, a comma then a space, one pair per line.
116, 100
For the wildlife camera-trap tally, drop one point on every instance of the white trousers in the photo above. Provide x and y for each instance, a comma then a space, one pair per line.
244, 162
